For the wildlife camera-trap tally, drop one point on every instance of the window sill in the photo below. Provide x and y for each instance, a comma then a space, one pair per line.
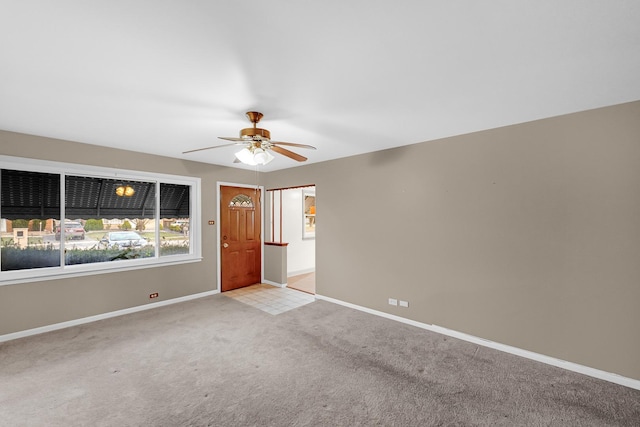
93, 269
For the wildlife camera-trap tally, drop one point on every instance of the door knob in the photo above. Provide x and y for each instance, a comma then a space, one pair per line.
225, 245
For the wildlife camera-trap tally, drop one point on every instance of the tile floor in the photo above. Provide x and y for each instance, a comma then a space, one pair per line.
270, 299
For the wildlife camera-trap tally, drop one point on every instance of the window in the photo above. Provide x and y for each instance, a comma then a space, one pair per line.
175, 220
54, 222
29, 208
241, 201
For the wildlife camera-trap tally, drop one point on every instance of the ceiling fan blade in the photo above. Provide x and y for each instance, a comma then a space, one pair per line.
231, 138
293, 144
288, 153
207, 148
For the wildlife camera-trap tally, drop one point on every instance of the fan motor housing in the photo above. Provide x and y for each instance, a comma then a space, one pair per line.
253, 132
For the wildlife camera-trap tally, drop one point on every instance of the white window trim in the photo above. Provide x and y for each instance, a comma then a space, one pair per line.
49, 273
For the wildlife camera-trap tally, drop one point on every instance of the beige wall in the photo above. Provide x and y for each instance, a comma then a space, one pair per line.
527, 235
275, 264
31, 305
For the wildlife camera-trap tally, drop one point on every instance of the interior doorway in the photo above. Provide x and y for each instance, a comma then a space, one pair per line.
240, 245
291, 220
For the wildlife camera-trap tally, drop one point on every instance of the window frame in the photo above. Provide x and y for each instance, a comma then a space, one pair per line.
76, 270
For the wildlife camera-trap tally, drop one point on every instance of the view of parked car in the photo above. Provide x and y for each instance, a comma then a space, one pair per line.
72, 230
123, 240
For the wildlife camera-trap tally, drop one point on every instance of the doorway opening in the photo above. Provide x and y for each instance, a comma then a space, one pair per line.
290, 219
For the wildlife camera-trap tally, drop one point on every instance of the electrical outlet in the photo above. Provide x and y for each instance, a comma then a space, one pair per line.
153, 295
404, 303
393, 301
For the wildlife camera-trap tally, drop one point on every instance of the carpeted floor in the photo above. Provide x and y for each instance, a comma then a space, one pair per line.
218, 362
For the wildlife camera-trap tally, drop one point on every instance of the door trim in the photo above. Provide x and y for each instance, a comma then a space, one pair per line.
218, 243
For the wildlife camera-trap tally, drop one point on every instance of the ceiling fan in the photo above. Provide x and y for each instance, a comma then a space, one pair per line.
257, 144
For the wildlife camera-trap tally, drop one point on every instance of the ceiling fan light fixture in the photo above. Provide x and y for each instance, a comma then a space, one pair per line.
246, 157
258, 145
257, 156
262, 157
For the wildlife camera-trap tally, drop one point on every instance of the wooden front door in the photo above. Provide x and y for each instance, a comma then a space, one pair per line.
240, 245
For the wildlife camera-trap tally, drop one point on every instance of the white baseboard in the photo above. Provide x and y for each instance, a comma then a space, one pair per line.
279, 285
68, 324
585, 370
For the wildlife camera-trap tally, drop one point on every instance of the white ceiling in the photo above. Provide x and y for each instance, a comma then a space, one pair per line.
348, 77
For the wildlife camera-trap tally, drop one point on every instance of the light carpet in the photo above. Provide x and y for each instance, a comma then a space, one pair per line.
218, 362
